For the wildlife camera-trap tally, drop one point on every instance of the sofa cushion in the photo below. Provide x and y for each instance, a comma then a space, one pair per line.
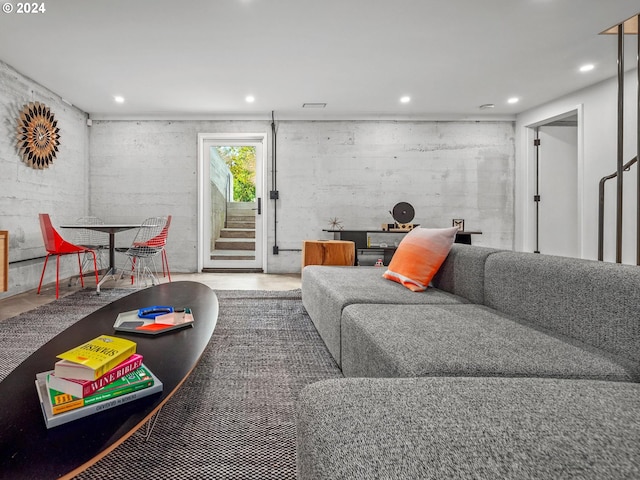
595, 302
464, 340
326, 290
468, 428
462, 272
419, 256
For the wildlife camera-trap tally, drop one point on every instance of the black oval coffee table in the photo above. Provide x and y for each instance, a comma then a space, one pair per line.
29, 450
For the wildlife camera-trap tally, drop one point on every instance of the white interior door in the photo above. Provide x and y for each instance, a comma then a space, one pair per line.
232, 213
558, 183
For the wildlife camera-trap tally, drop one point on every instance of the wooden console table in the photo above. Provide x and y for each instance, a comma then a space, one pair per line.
361, 239
328, 252
4, 260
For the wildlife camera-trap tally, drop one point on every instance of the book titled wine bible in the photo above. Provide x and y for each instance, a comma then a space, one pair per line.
93, 359
63, 402
84, 388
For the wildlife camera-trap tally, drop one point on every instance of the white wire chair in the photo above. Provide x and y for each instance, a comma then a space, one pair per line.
93, 240
147, 244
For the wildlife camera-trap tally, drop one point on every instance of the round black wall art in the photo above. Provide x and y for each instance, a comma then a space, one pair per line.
38, 135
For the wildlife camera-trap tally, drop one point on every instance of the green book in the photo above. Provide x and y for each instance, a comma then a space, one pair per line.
136, 380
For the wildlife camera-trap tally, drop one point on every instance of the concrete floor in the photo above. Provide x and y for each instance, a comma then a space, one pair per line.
23, 302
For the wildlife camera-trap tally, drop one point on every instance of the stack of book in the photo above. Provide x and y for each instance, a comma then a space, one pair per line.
95, 376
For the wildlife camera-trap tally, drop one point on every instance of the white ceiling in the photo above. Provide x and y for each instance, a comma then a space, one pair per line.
201, 58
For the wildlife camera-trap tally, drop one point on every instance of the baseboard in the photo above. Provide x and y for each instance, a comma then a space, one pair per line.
232, 270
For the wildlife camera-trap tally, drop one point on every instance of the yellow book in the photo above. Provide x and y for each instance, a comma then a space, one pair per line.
93, 359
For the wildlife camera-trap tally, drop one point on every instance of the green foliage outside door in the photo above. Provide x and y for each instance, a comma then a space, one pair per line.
242, 164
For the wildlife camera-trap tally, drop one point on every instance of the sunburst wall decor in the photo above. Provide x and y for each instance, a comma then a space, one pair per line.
38, 135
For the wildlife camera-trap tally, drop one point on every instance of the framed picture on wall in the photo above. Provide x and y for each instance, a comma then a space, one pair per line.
459, 222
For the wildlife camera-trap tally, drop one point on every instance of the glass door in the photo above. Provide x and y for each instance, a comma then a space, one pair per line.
232, 208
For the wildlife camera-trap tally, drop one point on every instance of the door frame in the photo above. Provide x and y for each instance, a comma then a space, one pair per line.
231, 137
528, 225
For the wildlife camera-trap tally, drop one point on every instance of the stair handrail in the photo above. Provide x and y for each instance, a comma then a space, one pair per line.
625, 168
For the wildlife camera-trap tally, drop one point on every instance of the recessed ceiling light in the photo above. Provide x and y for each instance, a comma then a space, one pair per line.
250, 98
513, 100
118, 99
405, 99
487, 106
587, 68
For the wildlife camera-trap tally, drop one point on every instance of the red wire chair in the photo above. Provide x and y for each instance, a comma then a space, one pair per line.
149, 243
56, 245
159, 242
164, 234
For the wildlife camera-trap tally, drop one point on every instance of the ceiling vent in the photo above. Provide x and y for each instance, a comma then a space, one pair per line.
314, 105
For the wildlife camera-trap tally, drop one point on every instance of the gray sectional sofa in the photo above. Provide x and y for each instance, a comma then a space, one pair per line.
512, 365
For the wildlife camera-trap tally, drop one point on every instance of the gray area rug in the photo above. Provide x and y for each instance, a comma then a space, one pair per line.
23, 334
234, 417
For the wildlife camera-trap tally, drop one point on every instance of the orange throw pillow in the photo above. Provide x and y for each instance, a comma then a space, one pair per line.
419, 256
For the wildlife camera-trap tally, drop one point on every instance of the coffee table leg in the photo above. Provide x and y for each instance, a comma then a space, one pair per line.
150, 424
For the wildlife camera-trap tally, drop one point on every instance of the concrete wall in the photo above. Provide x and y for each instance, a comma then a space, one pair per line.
221, 188
60, 190
355, 171
141, 169
597, 151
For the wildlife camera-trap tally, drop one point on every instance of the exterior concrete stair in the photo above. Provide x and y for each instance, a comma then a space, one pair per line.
233, 255
237, 239
238, 233
235, 244
240, 222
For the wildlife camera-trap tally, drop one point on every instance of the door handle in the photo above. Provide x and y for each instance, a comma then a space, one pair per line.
259, 209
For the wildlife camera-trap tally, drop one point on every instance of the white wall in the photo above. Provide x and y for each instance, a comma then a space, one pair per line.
355, 171
597, 153
60, 190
